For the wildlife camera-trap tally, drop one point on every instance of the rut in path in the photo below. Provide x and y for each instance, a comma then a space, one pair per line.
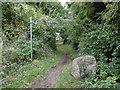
52, 74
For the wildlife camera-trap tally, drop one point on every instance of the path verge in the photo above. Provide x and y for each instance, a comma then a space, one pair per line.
52, 74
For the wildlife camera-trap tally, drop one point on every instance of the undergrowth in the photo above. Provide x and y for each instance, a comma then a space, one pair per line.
101, 78
26, 73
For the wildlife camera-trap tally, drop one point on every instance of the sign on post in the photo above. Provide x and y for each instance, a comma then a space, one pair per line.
31, 36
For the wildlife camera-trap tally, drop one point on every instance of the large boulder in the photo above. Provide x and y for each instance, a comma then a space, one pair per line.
83, 65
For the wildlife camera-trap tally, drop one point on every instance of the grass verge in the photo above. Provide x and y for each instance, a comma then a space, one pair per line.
67, 47
60, 42
66, 80
28, 72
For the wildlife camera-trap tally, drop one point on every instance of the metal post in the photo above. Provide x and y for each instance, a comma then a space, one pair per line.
31, 36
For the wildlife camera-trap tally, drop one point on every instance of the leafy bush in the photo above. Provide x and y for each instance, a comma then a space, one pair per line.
15, 25
97, 33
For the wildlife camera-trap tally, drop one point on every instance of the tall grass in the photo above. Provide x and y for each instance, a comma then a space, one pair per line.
29, 71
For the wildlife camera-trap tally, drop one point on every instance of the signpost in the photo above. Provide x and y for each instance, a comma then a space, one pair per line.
35, 22
31, 37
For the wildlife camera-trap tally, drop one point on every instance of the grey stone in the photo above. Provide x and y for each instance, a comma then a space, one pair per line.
83, 64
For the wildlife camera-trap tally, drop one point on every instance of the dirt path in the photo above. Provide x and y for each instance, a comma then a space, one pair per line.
52, 74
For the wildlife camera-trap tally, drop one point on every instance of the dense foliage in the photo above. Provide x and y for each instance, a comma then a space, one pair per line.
15, 25
96, 32
91, 28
